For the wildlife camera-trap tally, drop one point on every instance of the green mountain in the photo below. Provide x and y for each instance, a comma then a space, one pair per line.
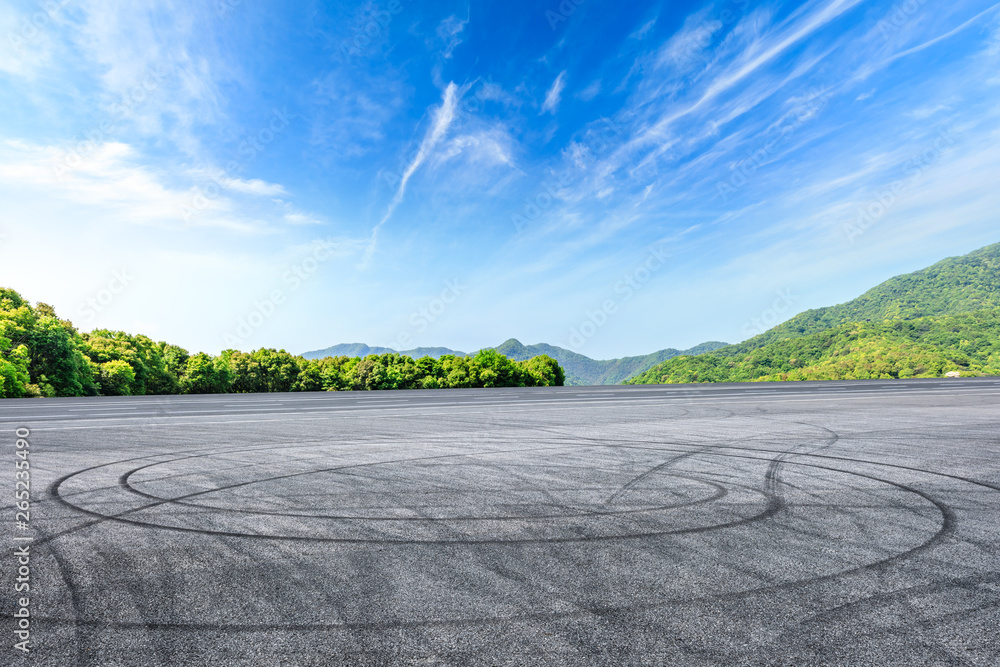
924, 347
922, 324
362, 350
955, 285
580, 370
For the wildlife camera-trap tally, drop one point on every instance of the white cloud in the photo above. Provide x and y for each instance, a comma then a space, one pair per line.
490, 91
443, 118
255, 186
951, 33
487, 148
112, 178
25, 48
449, 32
299, 218
108, 177
660, 102
152, 61
993, 45
591, 91
769, 52
554, 96
926, 112
350, 111
686, 48
641, 33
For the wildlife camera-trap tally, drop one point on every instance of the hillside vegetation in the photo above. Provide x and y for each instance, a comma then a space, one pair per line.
924, 324
42, 355
923, 347
580, 370
583, 371
954, 285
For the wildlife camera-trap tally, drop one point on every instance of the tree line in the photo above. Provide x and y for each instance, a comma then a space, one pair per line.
43, 355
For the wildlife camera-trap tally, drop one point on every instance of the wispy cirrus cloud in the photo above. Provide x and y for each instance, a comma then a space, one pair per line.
449, 33
554, 95
442, 119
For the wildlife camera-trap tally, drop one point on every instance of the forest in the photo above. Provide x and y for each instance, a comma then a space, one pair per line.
42, 355
919, 348
952, 286
941, 319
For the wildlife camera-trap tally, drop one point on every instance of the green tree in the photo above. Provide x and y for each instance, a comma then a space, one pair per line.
152, 372
543, 371
176, 359
922, 347
14, 376
56, 366
337, 373
489, 368
310, 377
265, 370
116, 378
205, 375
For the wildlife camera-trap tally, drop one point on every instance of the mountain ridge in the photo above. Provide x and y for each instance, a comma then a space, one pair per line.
952, 286
957, 294
580, 369
363, 350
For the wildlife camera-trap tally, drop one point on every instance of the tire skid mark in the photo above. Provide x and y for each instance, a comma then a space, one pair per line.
773, 506
56, 495
772, 477
66, 574
124, 483
210, 450
652, 471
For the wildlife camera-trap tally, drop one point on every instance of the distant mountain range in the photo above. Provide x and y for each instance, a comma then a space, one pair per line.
580, 370
945, 318
362, 350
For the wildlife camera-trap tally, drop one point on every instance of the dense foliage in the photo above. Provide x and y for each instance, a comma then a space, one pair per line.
41, 355
917, 325
952, 286
921, 347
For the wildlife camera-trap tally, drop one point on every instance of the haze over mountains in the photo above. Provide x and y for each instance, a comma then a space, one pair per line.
580, 370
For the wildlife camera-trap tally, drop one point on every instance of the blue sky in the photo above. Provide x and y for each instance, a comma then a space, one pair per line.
611, 178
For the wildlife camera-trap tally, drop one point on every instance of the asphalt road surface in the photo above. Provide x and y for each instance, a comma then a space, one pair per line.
802, 524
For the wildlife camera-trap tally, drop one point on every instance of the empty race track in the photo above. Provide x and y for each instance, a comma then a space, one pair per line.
822, 523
